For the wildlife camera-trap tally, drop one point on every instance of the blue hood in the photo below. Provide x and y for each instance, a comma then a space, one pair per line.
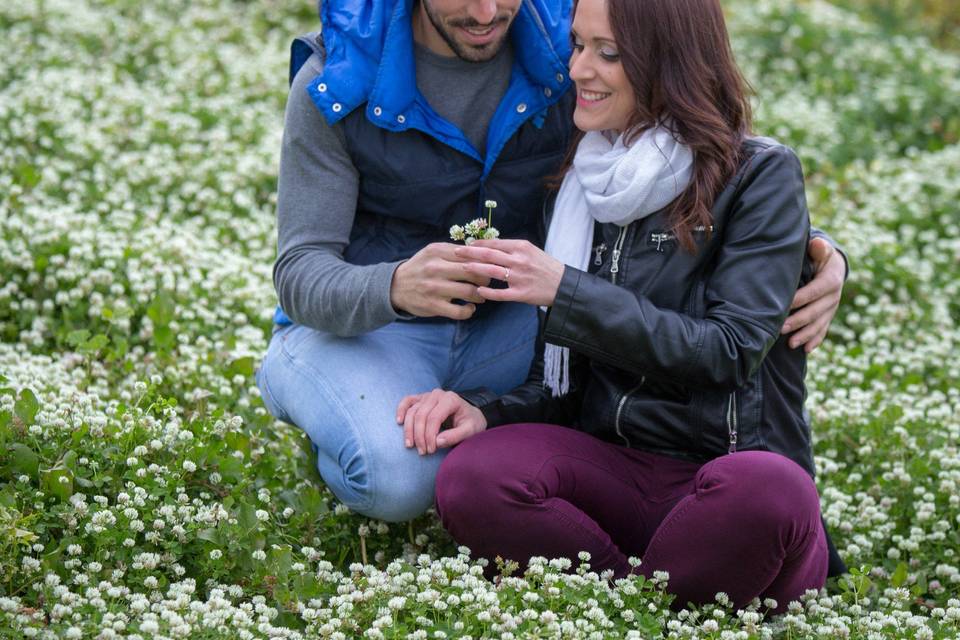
369, 59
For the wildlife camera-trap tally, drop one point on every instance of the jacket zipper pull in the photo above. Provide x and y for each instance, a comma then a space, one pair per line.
732, 422
598, 250
615, 264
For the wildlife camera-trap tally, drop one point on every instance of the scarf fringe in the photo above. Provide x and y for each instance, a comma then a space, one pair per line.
556, 369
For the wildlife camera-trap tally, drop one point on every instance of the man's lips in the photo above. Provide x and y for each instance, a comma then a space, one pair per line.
479, 36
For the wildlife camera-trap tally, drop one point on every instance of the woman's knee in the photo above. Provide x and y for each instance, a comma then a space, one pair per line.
470, 482
764, 487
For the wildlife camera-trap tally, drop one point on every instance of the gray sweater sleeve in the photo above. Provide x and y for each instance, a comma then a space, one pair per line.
316, 205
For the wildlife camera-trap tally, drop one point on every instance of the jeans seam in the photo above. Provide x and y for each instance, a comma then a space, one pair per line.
519, 346
269, 394
666, 524
309, 371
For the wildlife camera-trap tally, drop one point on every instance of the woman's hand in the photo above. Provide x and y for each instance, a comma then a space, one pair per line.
423, 414
531, 275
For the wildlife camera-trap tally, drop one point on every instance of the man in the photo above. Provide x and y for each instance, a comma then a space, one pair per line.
403, 121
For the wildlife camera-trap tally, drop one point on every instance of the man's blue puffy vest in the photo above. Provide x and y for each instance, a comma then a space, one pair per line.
418, 173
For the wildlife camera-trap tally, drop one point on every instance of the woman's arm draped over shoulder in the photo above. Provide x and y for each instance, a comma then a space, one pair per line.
316, 205
747, 294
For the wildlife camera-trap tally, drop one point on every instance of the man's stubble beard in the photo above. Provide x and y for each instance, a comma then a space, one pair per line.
466, 53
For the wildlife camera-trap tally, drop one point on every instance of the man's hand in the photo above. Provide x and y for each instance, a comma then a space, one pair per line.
426, 284
422, 416
815, 304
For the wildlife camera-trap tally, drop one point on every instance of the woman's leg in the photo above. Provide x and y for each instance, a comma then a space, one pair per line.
751, 528
542, 490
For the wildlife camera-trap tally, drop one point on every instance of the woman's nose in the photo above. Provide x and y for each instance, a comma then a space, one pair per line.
580, 68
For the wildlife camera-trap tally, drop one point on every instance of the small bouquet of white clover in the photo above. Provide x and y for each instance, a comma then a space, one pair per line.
478, 229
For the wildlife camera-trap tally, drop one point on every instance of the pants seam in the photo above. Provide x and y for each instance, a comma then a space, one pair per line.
308, 371
518, 347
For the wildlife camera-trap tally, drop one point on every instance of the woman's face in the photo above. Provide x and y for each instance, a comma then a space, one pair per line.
605, 99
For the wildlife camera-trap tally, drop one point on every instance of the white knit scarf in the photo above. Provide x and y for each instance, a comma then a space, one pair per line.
610, 182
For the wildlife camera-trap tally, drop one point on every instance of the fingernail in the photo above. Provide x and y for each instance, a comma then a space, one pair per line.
441, 442
420, 451
786, 327
408, 443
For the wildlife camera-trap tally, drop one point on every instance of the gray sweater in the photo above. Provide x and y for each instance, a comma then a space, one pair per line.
318, 187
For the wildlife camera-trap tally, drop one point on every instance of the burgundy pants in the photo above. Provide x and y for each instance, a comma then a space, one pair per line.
747, 524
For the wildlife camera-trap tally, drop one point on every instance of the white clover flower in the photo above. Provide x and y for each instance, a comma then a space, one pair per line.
259, 554
189, 466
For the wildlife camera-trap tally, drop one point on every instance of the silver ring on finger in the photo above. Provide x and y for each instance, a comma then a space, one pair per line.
506, 274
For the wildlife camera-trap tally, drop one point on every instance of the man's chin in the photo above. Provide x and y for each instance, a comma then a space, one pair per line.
478, 53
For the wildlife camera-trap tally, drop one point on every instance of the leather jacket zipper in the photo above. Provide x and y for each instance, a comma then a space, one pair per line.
598, 253
617, 250
732, 422
623, 401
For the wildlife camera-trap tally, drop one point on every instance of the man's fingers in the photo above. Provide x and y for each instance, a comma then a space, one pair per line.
457, 291
816, 288
498, 295
456, 311
819, 251
824, 306
815, 331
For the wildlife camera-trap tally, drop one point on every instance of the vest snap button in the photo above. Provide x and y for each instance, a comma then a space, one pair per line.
322, 87
559, 77
401, 119
377, 111
547, 92
336, 107
521, 107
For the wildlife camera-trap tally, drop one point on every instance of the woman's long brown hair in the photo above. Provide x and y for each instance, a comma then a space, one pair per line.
677, 57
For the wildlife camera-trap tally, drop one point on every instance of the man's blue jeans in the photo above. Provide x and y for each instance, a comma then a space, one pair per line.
344, 392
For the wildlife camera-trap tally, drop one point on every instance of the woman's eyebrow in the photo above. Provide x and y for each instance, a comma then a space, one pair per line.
573, 32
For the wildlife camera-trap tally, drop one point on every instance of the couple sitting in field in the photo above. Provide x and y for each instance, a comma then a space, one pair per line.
662, 415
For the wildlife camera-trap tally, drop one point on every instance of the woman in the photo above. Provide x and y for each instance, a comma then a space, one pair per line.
664, 417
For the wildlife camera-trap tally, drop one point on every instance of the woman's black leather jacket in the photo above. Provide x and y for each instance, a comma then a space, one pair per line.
680, 353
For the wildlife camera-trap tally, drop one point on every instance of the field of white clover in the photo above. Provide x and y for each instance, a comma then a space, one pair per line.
144, 492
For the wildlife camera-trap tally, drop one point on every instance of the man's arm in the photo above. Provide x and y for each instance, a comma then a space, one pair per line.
317, 200
316, 206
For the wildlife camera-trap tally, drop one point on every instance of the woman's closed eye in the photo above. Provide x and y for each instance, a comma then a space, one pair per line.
609, 54
605, 51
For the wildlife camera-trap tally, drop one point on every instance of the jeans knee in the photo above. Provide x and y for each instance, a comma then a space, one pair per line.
382, 488
767, 489
465, 485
